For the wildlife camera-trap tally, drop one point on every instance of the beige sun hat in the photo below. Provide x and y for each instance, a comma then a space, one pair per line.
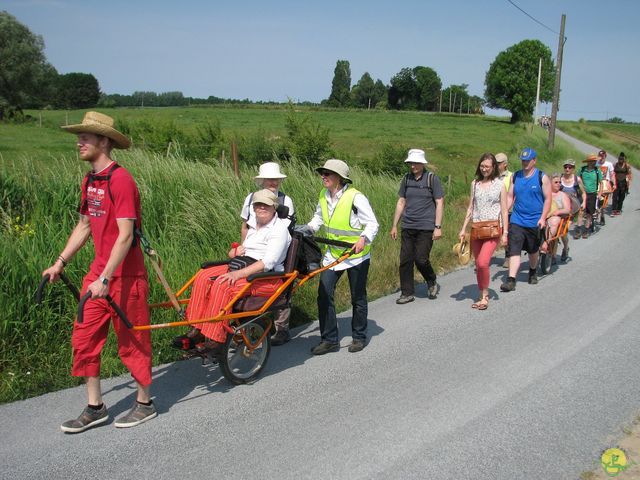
416, 155
462, 250
265, 196
100, 124
501, 157
336, 166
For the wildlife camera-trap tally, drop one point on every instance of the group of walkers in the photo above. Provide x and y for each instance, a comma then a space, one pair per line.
505, 208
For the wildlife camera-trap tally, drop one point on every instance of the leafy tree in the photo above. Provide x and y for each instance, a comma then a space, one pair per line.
341, 85
403, 91
363, 92
428, 85
380, 92
512, 78
77, 90
24, 71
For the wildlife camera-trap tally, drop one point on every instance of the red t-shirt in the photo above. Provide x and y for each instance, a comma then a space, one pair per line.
97, 205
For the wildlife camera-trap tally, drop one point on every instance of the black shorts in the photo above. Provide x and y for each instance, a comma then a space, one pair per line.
591, 203
523, 238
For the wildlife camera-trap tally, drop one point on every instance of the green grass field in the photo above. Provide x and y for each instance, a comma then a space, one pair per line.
191, 211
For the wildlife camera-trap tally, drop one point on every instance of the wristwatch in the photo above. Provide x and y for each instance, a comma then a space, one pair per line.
438, 227
103, 280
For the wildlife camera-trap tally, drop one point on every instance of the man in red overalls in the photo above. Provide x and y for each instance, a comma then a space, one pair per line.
109, 214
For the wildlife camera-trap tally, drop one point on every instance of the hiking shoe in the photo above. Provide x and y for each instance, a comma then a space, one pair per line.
564, 255
138, 414
356, 346
602, 220
87, 419
585, 234
509, 285
433, 290
405, 299
325, 347
280, 338
533, 278
576, 233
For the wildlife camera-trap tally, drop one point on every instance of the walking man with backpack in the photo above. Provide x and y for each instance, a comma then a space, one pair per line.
420, 205
110, 213
530, 197
592, 181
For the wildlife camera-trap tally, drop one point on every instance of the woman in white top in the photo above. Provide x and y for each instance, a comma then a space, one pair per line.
488, 202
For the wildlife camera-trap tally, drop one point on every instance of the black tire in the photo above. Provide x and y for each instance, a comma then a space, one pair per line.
241, 365
545, 263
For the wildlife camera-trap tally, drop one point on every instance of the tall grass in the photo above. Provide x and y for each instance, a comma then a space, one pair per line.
191, 214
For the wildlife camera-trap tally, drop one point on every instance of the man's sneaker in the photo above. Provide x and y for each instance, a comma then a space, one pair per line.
405, 299
585, 233
325, 347
138, 414
356, 346
433, 290
564, 255
533, 277
87, 419
280, 338
509, 285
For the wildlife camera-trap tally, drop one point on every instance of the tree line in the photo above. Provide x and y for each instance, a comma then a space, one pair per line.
28, 80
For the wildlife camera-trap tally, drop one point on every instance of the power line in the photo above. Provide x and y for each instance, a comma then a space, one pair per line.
532, 18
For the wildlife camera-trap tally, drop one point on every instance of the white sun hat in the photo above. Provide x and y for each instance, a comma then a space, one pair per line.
416, 156
270, 170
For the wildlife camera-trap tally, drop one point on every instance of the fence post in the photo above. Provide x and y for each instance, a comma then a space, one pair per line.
169, 148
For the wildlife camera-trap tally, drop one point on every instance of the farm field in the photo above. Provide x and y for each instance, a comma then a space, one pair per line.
613, 137
191, 208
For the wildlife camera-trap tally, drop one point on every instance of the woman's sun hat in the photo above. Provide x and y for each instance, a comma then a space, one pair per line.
416, 155
99, 124
462, 250
336, 166
269, 170
265, 196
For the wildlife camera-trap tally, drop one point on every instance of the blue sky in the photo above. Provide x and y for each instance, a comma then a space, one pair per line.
272, 50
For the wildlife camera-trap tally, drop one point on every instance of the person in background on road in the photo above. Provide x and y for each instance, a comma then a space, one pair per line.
488, 201
560, 208
592, 180
505, 175
571, 184
530, 197
421, 206
608, 183
346, 215
109, 213
270, 177
623, 175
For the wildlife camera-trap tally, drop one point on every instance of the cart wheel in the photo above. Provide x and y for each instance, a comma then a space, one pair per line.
545, 263
241, 365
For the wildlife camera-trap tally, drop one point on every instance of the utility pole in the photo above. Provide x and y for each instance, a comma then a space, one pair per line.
556, 90
535, 118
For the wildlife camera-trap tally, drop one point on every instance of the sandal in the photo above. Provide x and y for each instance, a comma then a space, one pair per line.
483, 303
189, 341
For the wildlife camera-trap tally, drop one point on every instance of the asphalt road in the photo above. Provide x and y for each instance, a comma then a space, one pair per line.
533, 388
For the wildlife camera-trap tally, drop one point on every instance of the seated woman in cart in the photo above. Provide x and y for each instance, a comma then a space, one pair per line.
560, 209
263, 249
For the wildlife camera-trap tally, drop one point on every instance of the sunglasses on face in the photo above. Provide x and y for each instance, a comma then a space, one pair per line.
568, 166
324, 173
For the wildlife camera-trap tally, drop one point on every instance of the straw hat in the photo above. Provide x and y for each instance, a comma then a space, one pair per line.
462, 250
100, 124
265, 196
416, 156
591, 158
336, 166
269, 170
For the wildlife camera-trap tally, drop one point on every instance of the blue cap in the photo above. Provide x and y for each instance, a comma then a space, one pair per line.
528, 154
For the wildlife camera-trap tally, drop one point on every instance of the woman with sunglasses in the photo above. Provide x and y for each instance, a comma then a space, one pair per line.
572, 185
560, 208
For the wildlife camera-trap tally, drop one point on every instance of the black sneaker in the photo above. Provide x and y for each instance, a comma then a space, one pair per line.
138, 414
433, 290
87, 419
280, 338
405, 299
533, 277
325, 347
565, 254
509, 285
356, 346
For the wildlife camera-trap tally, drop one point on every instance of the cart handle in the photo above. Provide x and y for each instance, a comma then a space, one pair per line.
45, 281
335, 243
111, 302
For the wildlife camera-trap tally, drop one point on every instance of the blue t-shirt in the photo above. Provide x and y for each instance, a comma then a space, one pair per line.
529, 199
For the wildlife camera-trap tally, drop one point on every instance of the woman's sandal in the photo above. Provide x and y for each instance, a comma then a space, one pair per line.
483, 303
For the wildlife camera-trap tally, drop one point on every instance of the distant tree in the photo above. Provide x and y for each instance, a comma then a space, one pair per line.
615, 120
77, 90
24, 71
380, 92
511, 81
428, 85
363, 92
403, 91
341, 85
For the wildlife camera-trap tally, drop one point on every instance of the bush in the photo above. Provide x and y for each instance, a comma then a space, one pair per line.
307, 140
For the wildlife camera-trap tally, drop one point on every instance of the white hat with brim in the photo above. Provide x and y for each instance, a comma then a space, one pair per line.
336, 166
265, 196
416, 155
269, 170
100, 124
